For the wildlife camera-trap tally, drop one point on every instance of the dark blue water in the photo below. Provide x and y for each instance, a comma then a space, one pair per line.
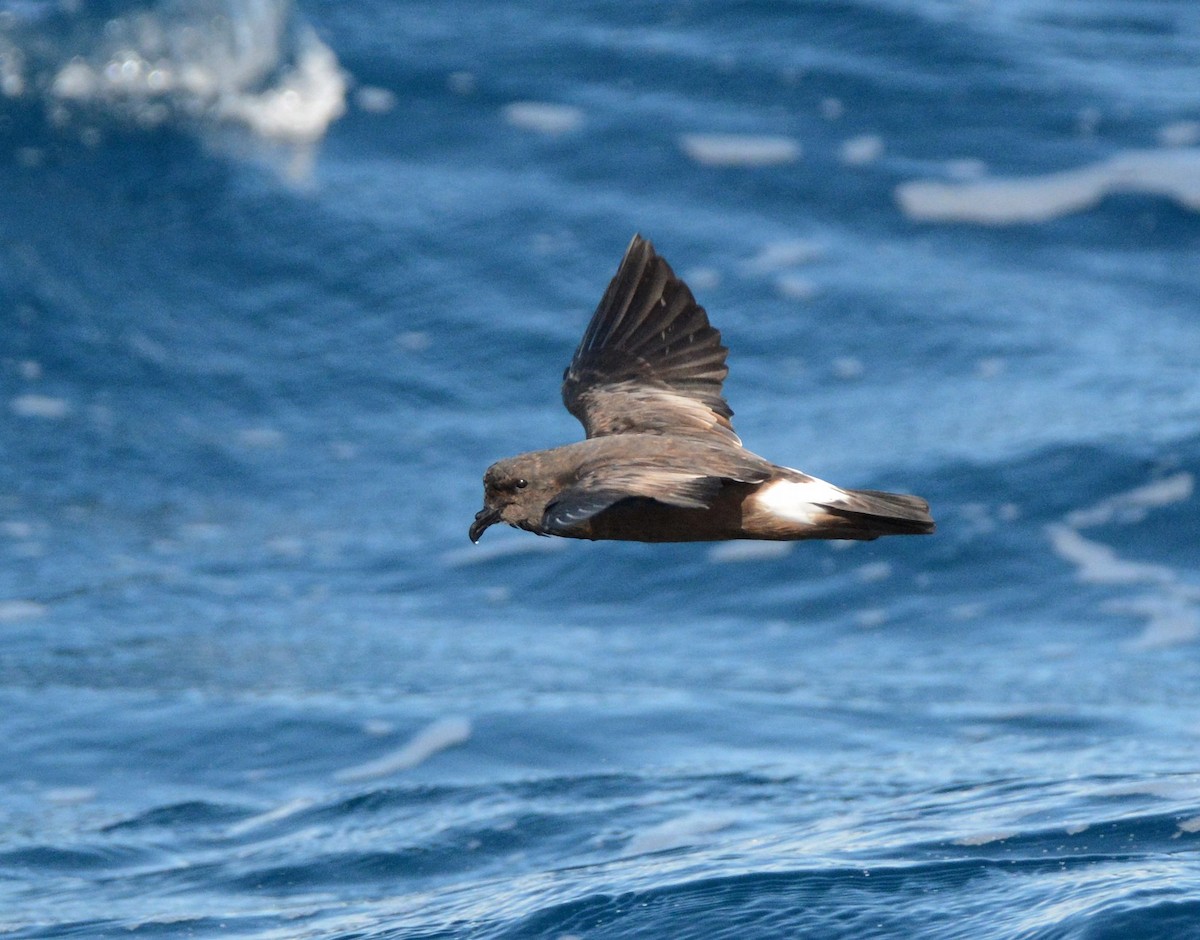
278, 283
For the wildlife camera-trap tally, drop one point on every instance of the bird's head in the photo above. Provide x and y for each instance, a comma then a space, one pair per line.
515, 491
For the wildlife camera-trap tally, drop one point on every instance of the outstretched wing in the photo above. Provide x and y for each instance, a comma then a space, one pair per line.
669, 478
649, 361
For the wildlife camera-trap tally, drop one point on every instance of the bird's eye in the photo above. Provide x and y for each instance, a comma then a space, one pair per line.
521, 484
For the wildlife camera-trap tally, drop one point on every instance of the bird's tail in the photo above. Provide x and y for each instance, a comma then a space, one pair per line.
868, 514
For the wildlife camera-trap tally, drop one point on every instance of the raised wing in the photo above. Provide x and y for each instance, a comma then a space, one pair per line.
649, 361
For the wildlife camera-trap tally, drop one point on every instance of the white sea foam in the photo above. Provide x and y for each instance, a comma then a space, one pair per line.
874, 571
744, 150
261, 438
308, 98
69, 796
375, 100
1099, 564
702, 278
848, 367
204, 62
544, 117
1171, 618
861, 150
283, 811
989, 367
1170, 609
1133, 505
965, 168
461, 83
40, 406
747, 550
16, 529
1190, 825
1180, 134
679, 833
1174, 173
796, 287
787, 253
15, 611
437, 736
984, 838
871, 618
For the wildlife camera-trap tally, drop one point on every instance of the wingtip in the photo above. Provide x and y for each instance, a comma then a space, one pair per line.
639, 243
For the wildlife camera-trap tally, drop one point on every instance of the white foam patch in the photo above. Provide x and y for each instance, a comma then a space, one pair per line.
261, 438
965, 168
283, 811
310, 96
871, 618
703, 278
438, 736
1180, 134
15, 611
796, 287
861, 150
1133, 505
795, 501
745, 150
776, 256
375, 100
990, 367
1170, 609
461, 83
543, 117
40, 406
984, 838
848, 367
257, 68
1190, 825
69, 796
678, 833
1170, 619
874, 571
1097, 563
1173, 173
738, 551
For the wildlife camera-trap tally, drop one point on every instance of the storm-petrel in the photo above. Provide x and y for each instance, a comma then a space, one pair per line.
661, 462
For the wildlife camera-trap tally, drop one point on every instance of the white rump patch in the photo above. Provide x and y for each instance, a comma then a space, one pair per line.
796, 501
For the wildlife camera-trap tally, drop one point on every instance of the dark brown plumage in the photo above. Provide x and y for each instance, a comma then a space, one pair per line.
661, 462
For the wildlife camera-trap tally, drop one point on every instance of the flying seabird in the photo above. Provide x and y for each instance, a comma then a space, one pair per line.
661, 462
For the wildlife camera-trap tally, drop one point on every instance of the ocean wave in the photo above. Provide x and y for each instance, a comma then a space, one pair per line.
1168, 603
254, 64
1172, 173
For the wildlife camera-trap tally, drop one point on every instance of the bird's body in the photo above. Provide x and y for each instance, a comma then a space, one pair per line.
661, 462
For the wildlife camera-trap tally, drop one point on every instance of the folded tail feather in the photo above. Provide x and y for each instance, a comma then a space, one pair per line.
872, 513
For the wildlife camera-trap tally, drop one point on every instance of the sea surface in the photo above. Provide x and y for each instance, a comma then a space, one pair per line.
277, 283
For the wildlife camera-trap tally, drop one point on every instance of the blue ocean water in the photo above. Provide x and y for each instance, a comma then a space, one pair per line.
278, 282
